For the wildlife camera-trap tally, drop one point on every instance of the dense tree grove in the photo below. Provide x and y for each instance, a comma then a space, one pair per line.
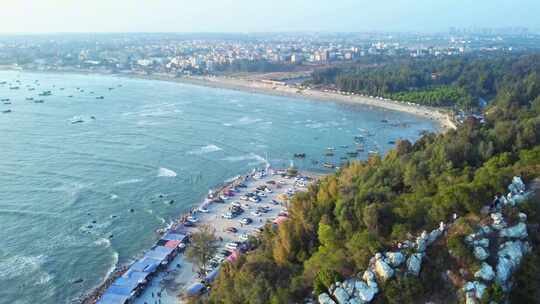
342, 221
436, 82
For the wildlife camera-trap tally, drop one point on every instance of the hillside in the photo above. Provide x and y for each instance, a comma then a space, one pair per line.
370, 207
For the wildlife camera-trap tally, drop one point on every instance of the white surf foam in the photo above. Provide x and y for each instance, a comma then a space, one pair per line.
246, 120
205, 149
129, 181
103, 242
251, 157
164, 172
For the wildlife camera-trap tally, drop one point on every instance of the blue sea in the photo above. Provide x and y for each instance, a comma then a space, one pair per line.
85, 182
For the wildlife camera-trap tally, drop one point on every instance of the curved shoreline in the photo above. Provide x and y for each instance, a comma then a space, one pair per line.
440, 115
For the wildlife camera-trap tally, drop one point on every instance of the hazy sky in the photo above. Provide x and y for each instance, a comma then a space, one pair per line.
262, 15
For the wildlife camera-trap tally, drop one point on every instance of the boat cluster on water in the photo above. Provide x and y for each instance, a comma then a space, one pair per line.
41, 97
362, 145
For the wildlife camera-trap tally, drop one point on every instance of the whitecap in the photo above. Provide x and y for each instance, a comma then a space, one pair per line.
18, 265
227, 124
246, 120
164, 172
129, 181
114, 196
251, 157
103, 242
205, 149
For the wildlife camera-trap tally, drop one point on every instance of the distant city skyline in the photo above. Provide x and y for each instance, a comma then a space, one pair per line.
54, 16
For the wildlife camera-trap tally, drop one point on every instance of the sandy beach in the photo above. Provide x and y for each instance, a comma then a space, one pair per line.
442, 116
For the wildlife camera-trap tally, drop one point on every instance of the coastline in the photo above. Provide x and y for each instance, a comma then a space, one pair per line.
254, 86
173, 278
440, 115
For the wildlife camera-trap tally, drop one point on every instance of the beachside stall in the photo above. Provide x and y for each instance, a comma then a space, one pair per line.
111, 298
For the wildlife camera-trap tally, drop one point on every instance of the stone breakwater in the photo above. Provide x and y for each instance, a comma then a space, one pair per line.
407, 260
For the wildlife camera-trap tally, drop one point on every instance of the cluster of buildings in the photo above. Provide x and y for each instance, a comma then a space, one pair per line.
214, 53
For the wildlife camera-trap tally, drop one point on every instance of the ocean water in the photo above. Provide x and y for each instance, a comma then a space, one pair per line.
66, 188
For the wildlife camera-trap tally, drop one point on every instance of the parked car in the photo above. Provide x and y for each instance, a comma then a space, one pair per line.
203, 210
231, 229
192, 219
246, 221
228, 215
244, 237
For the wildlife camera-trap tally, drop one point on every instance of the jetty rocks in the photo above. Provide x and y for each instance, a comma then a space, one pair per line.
500, 241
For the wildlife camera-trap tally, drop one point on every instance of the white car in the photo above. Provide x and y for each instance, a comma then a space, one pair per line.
231, 246
228, 215
203, 210
267, 190
192, 219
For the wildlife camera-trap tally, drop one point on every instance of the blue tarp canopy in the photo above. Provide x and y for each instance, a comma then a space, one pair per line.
131, 279
159, 253
145, 264
120, 290
173, 237
110, 298
195, 289
212, 275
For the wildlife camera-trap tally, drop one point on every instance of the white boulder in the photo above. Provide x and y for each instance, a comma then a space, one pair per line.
433, 236
481, 243
498, 221
383, 270
414, 263
363, 292
341, 295
325, 299
518, 231
421, 242
485, 273
395, 258
480, 253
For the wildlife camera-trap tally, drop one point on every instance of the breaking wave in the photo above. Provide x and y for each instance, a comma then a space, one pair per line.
205, 149
164, 172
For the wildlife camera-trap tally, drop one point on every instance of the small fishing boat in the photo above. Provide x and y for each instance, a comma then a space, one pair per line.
100, 97
7, 102
359, 148
6, 111
299, 155
76, 120
14, 88
3, 82
39, 101
4, 99
392, 142
29, 98
45, 93
329, 153
352, 154
329, 165
373, 153
344, 146
359, 138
